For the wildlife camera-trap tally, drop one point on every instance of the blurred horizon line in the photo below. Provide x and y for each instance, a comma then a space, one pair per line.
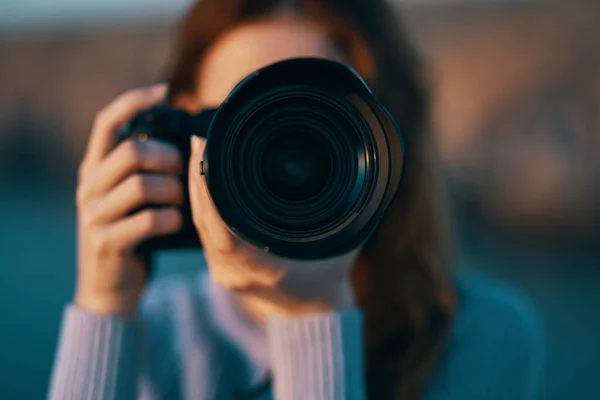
34, 17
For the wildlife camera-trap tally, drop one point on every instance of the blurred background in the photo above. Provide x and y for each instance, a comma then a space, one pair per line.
516, 109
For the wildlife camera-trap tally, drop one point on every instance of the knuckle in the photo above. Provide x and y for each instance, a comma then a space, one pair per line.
150, 220
225, 243
175, 218
100, 242
133, 97
81, 195
173, 158
139, 186
163, 220
82, 171
173, 186
130, 97
101, 118
132, 153
87, 220
270, 276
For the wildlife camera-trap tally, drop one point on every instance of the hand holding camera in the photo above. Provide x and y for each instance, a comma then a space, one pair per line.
110, 274
289, 177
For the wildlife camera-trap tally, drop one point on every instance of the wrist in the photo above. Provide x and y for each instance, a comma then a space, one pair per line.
310, 308
335, 298
338, 297
113, 305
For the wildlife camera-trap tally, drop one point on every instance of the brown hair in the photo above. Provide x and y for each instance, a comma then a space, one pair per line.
402, 279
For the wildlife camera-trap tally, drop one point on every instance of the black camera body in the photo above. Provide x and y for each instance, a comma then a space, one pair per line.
301, 160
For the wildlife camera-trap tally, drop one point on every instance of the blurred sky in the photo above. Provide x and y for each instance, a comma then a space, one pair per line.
19, 16
23, 15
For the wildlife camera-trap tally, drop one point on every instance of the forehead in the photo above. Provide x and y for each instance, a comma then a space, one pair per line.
251, 46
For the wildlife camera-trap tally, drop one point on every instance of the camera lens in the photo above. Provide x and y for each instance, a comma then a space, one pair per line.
299, 161
299, 164
296, 166
302, 160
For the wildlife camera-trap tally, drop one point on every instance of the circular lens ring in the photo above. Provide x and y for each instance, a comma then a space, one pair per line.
272, 200
270, 206
260, 219
382, 140
293, 205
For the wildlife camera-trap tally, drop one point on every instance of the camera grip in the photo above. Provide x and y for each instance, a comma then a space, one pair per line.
176, 127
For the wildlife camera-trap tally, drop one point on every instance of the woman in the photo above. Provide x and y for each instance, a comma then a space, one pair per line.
256, 325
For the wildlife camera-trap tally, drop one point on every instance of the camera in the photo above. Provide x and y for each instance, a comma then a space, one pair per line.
301, 160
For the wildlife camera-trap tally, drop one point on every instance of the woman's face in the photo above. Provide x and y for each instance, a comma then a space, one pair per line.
238, 53
254, 45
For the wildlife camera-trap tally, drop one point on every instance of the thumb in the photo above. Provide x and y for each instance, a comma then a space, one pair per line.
198, 145
204, 213
196, 180
199, 197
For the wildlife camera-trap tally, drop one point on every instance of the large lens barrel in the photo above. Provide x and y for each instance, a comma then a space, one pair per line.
301, 159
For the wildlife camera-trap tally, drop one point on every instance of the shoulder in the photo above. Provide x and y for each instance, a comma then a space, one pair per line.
494, 312
496, 344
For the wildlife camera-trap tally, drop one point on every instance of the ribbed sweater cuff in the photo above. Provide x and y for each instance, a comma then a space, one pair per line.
97, 357
318, 355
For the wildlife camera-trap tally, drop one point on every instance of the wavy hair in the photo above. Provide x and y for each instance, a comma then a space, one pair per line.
403, 277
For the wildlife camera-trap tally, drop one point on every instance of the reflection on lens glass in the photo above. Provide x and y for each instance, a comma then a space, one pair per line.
296, 166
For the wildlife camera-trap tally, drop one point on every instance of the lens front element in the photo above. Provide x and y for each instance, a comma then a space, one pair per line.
296, 165
302, 160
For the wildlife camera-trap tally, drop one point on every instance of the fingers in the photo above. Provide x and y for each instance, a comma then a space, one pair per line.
232, 262
137, 190
124, 235
206, 218
128, 158
113, 116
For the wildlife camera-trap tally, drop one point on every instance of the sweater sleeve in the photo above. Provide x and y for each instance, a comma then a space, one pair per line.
318, 356
97, 357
